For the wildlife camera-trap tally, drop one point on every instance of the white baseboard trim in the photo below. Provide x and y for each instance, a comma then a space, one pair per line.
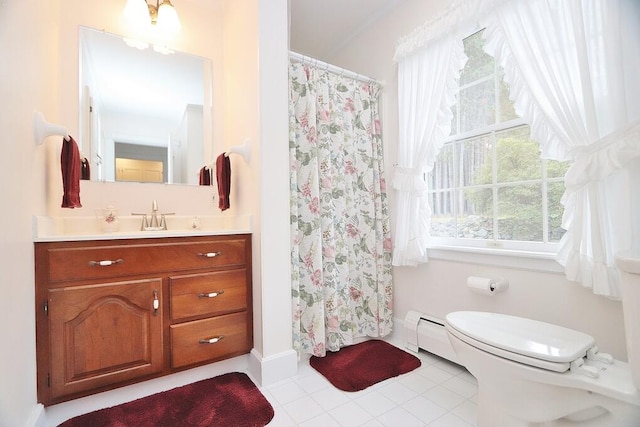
270, 370
37, 417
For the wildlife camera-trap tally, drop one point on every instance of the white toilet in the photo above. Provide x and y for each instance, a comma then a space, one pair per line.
532, 373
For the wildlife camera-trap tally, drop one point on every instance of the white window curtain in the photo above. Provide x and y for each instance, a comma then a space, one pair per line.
573, 66
427, 84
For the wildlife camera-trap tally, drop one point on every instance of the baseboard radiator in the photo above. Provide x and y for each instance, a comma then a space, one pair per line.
427, 332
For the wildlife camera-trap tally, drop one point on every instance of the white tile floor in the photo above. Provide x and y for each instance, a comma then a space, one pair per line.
437, 394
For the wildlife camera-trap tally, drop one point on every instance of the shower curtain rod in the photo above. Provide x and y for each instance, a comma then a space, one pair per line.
333, 68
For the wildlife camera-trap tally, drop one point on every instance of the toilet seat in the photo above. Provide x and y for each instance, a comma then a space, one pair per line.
526, 341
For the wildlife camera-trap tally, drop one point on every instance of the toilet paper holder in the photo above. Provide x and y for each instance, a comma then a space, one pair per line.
487, 285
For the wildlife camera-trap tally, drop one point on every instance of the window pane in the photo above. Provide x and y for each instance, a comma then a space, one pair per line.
507, 110
443, 222
556, 169
442, 176
554, 194
517, 156
479, 63
454, 119
520, 213
476, 218
477, 106
489, 182
476, 161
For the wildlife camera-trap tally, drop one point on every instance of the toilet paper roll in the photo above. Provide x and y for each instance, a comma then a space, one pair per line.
487, 285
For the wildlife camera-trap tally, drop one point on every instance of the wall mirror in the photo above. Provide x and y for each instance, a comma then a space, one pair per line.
144, 115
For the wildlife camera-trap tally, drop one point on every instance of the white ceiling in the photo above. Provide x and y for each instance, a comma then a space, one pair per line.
320, 28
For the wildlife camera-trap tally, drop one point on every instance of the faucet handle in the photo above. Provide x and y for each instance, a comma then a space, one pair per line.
145, 221
163, 219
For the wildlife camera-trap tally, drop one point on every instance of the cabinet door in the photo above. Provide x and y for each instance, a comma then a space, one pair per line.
104, 334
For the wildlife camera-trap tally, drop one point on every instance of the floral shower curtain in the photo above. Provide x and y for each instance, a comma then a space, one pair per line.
341, 244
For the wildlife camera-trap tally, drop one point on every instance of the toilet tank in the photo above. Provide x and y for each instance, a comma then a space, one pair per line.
629, 266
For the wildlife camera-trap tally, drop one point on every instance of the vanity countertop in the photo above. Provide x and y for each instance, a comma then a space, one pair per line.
49, 229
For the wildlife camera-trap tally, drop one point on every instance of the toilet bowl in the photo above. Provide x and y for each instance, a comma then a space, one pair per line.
532, 373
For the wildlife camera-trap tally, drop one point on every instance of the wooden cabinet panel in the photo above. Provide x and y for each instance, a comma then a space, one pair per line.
108, 333
115, 312
208, 293
208, 339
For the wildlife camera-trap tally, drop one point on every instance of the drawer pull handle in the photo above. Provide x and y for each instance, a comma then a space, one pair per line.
156, 302
105, 262
210, 254
210, 294
211, 340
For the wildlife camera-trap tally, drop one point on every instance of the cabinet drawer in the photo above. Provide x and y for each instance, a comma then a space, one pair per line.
209, 339
208, 293
91, 261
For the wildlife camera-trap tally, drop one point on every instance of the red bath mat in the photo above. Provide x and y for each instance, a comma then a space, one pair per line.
227, 400
361, 365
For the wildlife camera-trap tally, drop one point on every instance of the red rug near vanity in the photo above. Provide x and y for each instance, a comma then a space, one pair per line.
361, 365
227, 400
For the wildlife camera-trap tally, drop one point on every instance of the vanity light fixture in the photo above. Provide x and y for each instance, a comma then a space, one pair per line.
158, 22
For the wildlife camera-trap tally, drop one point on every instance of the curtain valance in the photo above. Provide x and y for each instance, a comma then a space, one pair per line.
459, 13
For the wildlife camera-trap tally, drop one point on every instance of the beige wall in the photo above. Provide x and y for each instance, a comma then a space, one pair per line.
439, 287
28, 42
202, 35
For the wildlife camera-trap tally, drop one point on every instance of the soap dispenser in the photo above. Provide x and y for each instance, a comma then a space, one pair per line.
108, 218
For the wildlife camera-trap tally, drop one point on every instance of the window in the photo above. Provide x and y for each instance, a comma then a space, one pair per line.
489, 187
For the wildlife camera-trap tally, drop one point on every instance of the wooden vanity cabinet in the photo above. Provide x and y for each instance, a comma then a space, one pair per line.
115, 312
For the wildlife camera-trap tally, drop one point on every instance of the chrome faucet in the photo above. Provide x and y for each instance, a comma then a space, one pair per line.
154, 224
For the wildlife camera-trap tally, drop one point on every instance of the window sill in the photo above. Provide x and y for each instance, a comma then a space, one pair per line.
521, 260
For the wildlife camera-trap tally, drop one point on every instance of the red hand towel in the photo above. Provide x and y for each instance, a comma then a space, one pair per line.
223, 174
205, 176
70, 161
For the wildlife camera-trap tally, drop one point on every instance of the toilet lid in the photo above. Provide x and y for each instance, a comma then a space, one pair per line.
522, 337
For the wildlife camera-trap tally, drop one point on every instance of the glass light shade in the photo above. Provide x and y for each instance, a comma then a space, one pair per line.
138, 23
168, 21
136, 12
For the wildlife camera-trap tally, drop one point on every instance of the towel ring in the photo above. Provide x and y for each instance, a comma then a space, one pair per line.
43, 129
243, 150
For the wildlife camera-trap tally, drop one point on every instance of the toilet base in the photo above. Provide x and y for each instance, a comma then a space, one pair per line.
489, 415
515, 395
